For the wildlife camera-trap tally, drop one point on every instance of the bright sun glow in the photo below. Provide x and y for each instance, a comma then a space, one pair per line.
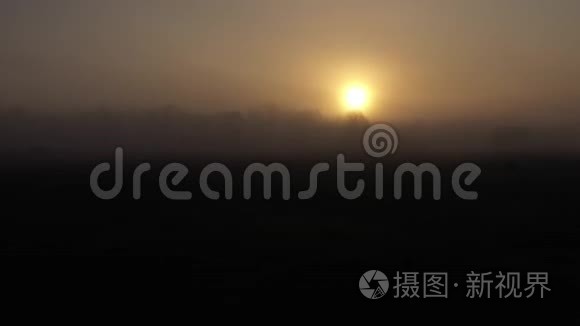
356, 98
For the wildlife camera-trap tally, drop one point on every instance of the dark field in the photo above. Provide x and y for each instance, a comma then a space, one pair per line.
57, 237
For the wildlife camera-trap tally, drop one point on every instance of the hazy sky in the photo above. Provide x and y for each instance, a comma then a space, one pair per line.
420, 58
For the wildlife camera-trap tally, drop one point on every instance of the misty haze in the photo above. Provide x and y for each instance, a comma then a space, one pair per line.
490, 83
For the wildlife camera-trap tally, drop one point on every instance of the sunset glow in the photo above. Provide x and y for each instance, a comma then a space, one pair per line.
356, 98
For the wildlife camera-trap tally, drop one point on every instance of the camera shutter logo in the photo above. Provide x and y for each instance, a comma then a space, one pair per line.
374, 284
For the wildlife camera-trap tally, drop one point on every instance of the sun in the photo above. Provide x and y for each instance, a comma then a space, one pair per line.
356, 98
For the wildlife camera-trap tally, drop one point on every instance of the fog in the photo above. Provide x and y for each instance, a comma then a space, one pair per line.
431, 59
465, 75
268, 133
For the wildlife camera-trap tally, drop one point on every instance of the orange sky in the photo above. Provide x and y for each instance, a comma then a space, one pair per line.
422, 59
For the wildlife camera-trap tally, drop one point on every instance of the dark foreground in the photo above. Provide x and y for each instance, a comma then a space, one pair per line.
60, 244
